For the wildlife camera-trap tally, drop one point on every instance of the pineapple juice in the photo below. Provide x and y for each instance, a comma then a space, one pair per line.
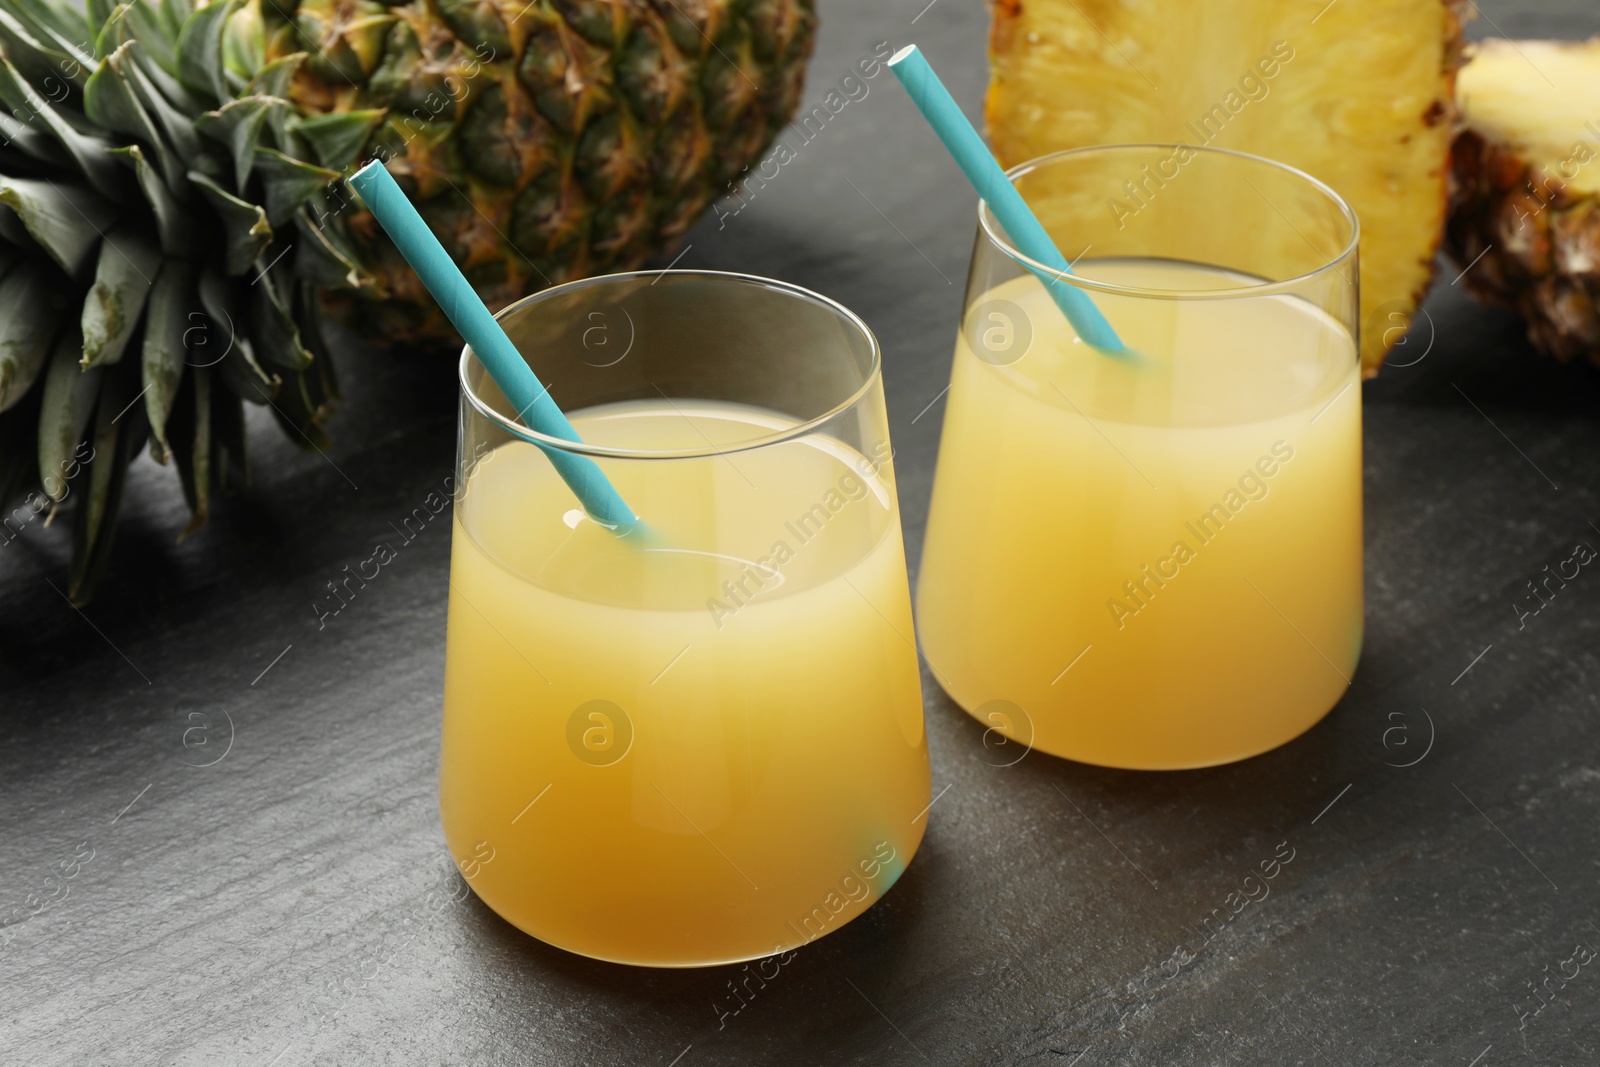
705, 749
1151, 565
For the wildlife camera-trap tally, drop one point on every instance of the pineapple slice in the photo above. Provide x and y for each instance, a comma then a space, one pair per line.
1525, 203
1358, 93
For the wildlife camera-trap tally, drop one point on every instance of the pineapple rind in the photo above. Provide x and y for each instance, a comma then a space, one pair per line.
1525, 199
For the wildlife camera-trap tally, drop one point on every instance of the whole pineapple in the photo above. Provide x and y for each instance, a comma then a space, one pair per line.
173, 219
1358, 93
1525, 203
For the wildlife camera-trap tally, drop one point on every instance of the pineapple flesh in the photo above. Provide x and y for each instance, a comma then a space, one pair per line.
1358, 93
1525, 202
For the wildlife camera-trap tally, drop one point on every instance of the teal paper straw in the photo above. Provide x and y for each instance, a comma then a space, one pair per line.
399, 218
976, 162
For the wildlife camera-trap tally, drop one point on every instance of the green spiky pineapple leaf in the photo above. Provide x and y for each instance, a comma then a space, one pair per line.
138, 21
65, 409
119, 434
174, 225
30, 143
40, 55
289, 183
244, 48
238, 124
27, 326
88, 152
123, 279
19, 447
65, 220
248, 231
156, 90
222, 344
162, 358
191, 447
320, 259
108, 101
338, 138
200, 62
60, 28
271, 326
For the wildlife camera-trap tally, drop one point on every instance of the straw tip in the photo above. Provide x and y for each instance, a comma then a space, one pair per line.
636, 532
905, 53
1117, 348
366, 173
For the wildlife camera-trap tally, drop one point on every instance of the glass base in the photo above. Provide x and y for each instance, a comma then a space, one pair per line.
834, 923
1078, 754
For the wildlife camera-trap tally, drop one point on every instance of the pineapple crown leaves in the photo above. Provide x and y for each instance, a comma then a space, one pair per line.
167, 215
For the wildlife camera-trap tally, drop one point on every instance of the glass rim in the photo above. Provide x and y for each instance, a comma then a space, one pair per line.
997, 236
515, 429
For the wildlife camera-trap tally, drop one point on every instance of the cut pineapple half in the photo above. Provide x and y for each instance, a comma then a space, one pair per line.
1525, 203
1358, 93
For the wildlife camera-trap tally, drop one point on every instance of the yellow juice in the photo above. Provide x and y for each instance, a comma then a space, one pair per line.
1152, 564
703, 749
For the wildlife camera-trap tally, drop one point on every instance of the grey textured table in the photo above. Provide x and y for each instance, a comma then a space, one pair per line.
273, 907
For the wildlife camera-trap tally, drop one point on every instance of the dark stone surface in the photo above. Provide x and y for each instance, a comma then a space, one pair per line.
271, 908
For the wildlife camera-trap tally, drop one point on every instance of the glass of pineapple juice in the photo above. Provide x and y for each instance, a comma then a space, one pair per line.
704, 744
1154, 562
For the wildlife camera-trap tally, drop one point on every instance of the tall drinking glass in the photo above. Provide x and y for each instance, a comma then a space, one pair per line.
1154, 561
703, 744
